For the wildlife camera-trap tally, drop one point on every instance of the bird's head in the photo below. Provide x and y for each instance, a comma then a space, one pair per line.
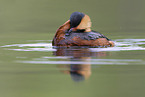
80, 21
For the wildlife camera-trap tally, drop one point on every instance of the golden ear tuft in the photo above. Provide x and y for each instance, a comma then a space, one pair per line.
85, 23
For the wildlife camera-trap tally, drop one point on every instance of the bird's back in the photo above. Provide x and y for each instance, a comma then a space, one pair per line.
80, 38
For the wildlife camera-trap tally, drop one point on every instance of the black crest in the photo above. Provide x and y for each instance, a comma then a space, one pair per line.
75, 19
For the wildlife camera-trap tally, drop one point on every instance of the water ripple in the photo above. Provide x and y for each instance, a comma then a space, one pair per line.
120, 45
76, 56
90, 61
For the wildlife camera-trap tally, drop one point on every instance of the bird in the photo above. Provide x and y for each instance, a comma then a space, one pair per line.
76, 32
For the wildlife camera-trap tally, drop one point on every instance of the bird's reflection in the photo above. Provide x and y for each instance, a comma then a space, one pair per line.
81, 67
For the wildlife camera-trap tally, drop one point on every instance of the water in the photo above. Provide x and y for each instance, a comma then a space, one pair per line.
76, 55
31, 67
36, 63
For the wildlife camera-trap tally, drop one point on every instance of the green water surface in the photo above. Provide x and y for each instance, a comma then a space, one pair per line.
29, 21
